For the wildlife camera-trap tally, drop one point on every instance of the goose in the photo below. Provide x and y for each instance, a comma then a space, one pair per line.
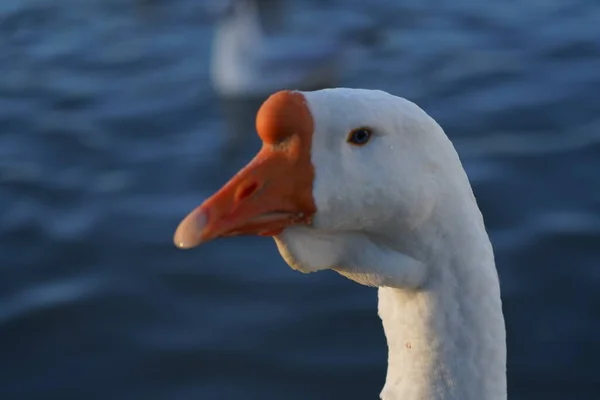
367, 184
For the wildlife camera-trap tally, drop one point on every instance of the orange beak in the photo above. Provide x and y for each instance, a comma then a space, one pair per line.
273, 191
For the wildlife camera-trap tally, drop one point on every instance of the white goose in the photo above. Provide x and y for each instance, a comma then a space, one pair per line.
367, 184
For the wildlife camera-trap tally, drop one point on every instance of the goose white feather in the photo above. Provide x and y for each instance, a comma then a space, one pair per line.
399, 214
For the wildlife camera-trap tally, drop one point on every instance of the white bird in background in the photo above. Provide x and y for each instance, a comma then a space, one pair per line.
246, 62
367, 184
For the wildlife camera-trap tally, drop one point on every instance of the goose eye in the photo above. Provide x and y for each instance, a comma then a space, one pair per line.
360, 136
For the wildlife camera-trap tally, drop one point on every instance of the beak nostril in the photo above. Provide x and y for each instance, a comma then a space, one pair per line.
246, 191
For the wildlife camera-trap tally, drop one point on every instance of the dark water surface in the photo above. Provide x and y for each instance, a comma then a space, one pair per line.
110, 133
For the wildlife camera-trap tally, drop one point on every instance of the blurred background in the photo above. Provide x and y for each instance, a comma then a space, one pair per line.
117, 117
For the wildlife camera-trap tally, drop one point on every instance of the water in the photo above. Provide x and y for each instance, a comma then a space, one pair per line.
110, 134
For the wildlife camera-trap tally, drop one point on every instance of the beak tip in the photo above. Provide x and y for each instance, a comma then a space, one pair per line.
190, 231
181, 241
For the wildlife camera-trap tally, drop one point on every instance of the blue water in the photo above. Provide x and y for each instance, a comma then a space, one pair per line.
110, 134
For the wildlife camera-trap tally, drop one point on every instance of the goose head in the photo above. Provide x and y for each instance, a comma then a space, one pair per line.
341, 171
